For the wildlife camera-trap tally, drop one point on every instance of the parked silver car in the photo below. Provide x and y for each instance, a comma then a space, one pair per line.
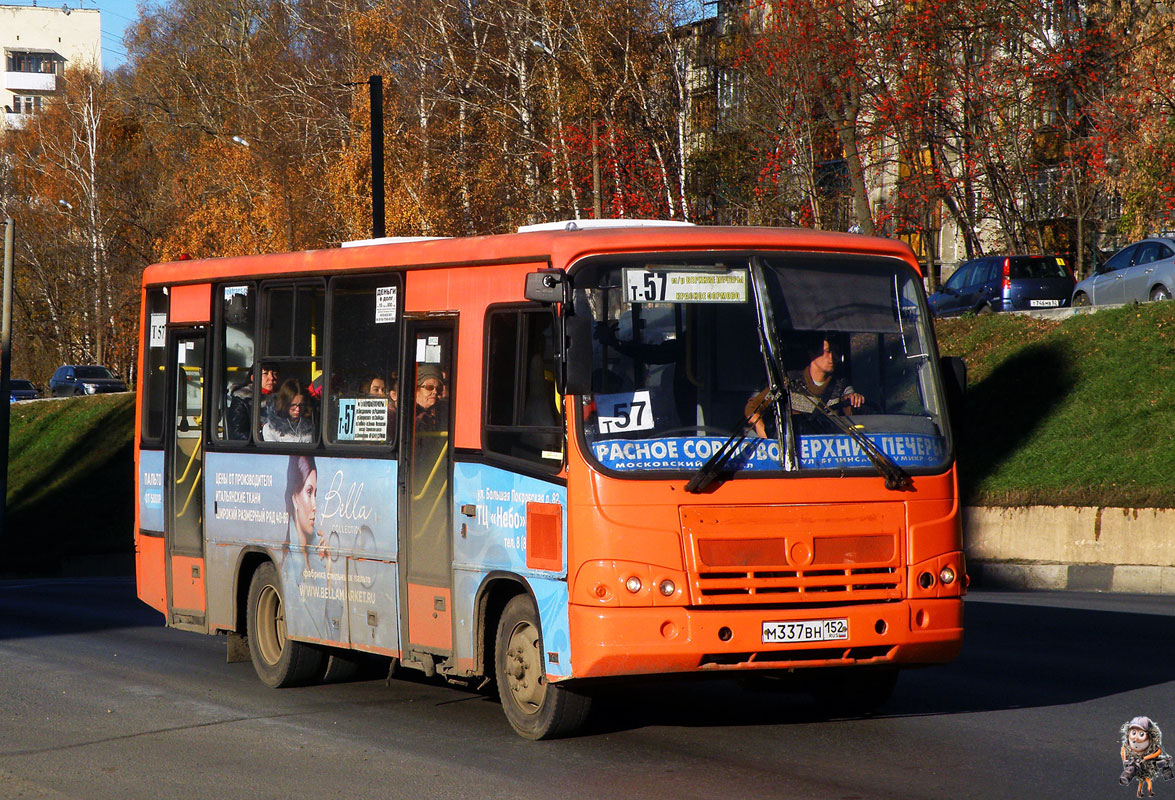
1138, 272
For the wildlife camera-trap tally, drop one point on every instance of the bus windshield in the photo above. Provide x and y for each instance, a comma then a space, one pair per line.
689, 354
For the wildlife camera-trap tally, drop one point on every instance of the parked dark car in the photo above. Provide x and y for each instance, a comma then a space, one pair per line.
20, 389
73, 379
1138, 272
1005, 283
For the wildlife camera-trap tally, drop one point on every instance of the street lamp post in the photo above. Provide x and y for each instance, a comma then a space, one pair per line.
6, 366
376, 86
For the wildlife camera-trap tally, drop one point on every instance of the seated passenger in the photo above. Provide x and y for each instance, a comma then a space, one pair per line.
431, 412
373, 386
240, 407
291, 419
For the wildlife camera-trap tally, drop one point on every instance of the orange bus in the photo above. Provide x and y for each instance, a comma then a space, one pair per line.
542, 459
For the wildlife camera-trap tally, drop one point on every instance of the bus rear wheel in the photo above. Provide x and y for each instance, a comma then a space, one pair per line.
535, 708
279, 662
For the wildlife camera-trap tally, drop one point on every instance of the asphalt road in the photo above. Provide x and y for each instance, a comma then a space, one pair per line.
99, 700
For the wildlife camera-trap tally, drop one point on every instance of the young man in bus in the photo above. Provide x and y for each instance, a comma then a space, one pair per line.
816, 381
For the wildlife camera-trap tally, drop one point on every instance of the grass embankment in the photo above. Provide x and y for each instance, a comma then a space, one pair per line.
70, 480
1079, 412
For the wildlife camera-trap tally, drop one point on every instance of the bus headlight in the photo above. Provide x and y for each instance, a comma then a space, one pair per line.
667, 588
947, 576
633, 584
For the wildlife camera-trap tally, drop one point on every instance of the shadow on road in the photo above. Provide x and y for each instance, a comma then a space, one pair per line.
58, 606
1015, 656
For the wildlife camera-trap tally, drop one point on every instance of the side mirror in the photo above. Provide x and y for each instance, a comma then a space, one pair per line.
548, 286
578, 332
954, 378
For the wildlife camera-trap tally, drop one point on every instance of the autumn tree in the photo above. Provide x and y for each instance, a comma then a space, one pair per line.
76, 183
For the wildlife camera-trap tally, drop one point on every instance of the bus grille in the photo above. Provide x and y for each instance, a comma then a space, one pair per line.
795, 555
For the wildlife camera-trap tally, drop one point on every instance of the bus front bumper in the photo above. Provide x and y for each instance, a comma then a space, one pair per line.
641, 641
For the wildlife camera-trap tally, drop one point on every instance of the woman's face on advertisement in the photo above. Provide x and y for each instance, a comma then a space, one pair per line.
306, 507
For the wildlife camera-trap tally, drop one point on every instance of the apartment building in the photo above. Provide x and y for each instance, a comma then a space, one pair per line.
39, 43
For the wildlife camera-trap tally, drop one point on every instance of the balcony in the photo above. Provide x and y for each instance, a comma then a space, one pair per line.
30, 81
15, 121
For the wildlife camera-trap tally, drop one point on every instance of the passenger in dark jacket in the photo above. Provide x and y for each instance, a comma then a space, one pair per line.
291, 419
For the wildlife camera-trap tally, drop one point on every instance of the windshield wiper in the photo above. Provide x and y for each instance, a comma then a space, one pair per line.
709, 471
776, 375
896, 478
776, 397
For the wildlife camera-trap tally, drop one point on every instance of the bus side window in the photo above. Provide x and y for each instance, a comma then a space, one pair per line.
291, 358
154, 387
235, 362
523, 413
360, 401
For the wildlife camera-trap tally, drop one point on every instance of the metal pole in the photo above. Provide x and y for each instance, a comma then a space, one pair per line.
6, 367
596, 207
376, 83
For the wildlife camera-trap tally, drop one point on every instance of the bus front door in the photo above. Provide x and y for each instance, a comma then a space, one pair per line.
184, 478
426, 459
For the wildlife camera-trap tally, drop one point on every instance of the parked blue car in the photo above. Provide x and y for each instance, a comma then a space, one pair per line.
20, 389
1138, 272
1004, 283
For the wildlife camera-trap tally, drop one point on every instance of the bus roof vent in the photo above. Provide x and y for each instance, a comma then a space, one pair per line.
390, 240
586, 224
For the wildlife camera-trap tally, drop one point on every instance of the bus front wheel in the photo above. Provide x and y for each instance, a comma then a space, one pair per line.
279, 662
535, 708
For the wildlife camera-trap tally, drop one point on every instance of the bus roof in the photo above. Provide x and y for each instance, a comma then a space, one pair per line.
556, 247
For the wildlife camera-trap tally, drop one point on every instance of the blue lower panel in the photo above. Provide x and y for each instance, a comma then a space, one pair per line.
373, 604
329, 524
551, 596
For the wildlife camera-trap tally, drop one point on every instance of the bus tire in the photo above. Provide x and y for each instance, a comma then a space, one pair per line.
343, 666
535, 708
279, 662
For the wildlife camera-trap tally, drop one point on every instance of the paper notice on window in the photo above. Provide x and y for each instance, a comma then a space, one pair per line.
371, 419
669, 286
432, 353
385, 304
363, 419
620, 413
158, 329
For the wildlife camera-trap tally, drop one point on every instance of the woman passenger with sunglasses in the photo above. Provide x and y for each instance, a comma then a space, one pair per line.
430, 411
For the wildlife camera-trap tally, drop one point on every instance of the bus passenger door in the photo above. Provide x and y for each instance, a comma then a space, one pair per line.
426, 460
184, 478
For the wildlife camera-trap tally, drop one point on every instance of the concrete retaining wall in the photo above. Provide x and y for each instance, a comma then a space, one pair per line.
1044, 547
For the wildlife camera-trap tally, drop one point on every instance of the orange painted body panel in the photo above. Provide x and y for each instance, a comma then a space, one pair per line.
151, 584
469, 291
187, 583
615, 526
190, 304
428, 625
647, 641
